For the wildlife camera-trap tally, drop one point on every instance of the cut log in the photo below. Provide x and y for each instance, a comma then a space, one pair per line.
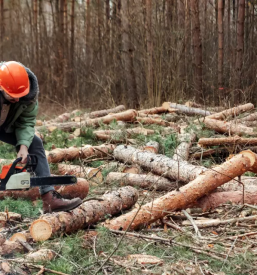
248, 183
233, 112
148, 181
88, 213
186, 110
188, 194
2, 239
182, 151
42, 255
158, 164
227, 127
149, 120
102, 113
129, 132
216, 199
9, 247
63, 154
251, 117
227, 141
80, 189
128, 115
90, 173
152, 146
193, 104
207, 153
155, 110
9, 217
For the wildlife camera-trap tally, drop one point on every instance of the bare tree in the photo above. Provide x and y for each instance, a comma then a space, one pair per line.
220, 43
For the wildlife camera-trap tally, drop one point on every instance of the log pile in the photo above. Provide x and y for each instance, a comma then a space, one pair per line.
164, 184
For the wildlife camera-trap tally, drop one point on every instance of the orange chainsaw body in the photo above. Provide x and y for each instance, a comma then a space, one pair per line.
6, 168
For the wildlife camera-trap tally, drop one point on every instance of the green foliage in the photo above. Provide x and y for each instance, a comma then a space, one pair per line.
96, 163
23, 207
7, 151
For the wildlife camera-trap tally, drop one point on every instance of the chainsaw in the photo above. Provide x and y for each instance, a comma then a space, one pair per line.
14, 177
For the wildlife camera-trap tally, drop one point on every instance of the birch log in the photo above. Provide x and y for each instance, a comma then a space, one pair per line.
102, 113
152, 146
148, 181
185, 143
88, 213
158, 164
227, 127
236, 140
188, 194
186, 110
233, 112
80, 189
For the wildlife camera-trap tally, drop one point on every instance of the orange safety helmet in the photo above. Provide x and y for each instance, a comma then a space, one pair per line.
14, 79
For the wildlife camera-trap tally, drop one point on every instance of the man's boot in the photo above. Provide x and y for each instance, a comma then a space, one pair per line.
54, 202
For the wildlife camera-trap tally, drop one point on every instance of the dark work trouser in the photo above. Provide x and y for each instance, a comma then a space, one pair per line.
36, 148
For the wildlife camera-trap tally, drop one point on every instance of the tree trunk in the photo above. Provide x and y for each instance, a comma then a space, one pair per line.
149, 120
102, 113
197, 47
127, 55
186, 110
233, 112
86, 214
91, 174
80, 189
227, 141
148, 181
2, 28
59, 155
158, 164
220, 44
251, 117
228, 127
240, 43
188, 194
185, 143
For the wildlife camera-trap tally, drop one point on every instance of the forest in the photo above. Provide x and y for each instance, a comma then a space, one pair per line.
149, 106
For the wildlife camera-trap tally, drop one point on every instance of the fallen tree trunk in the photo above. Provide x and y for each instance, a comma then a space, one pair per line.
90, 173
152, 146
63, 154
129, 132
227, 141
216, 199
188, 194
251, 117
88, 213
186, 110
148, 181
182, 151
233, 112
158, 164
156, 110
227, 127
129, 115
102, 113
80, 189
149, 120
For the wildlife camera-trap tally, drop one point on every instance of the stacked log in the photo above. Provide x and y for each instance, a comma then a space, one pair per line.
102, 113
188, 194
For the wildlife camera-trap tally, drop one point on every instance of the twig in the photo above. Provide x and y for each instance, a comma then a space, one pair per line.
41, 271
228, 253
193, 223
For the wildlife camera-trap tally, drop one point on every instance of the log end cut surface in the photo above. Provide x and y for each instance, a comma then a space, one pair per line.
40, 230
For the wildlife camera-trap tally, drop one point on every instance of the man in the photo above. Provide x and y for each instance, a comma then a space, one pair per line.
18, 109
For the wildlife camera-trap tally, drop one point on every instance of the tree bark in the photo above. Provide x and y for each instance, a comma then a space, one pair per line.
240, 43
158, 164
71, 153
148, 181
90, 173
227, 127
127, 55
129, 132
102, 113
251, 117
149, 120
185, 143
9, 247
80, 189
182, 109
232, 113
188, 194
155, 110
220, 43
197, 47
227, 141
152, 146
88, 213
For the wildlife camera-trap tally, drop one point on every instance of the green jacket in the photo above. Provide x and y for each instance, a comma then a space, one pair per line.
21, 118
